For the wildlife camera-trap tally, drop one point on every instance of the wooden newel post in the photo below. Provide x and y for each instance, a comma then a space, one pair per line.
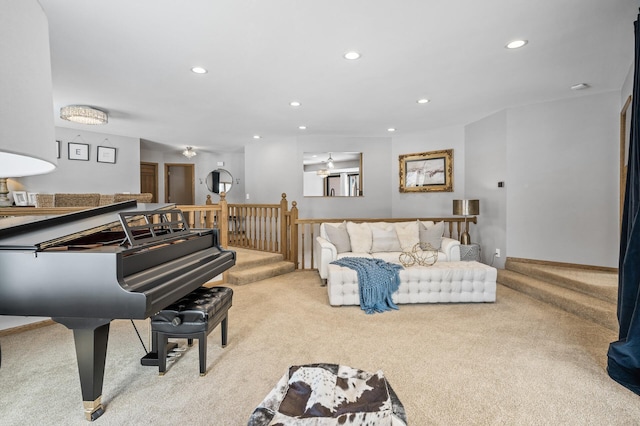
284, 206
209, 213
223, 221
294, 233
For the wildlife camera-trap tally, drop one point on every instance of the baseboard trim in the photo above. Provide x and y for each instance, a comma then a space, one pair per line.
563, 264
26, 327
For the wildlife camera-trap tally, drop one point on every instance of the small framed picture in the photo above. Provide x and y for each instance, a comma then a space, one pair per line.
106, 154
58, 149
20, 198
31, 198
78, 151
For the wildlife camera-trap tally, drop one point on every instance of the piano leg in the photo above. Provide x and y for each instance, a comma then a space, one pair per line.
91, 338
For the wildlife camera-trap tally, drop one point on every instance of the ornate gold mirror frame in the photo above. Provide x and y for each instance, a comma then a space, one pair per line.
427, 171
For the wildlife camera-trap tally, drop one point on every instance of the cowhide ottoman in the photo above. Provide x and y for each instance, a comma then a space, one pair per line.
330, 394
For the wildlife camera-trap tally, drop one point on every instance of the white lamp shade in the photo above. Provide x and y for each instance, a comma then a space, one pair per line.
27, 138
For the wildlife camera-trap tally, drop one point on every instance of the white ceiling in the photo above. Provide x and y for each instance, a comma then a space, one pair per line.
132, 58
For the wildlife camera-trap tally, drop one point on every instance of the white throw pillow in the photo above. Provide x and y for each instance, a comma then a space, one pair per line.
360, 237
408, 234
384, 237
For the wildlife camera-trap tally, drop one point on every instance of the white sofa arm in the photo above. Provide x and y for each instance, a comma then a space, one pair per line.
326, 253
451, 248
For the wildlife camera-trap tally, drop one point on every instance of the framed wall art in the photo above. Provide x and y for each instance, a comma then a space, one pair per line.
427, 171
20, 198
31, 198
78, 151
106, 154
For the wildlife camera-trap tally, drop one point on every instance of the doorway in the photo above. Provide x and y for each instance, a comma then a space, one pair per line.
179, 183
149, 179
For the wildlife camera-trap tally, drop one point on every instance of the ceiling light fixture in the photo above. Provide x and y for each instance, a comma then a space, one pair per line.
83, 114
391, 129
302, 127
256, 136
516, 44
199, 70
580, 86
352, 55
423, 101
330, 162
189, 153
295, 103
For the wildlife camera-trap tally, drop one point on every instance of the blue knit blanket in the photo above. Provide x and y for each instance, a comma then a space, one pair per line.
377, 281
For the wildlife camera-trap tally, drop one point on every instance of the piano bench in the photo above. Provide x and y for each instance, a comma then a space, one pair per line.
192, 317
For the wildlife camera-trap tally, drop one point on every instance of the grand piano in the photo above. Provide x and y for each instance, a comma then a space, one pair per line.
84, 269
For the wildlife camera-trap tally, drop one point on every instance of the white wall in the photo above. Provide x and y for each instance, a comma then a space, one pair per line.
486, 165
89, 176
204, 163
275, 166
562, 180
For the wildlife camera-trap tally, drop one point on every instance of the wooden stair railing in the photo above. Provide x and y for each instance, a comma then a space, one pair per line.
266, 227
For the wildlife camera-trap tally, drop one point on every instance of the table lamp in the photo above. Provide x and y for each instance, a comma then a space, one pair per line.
466, 208
27, 137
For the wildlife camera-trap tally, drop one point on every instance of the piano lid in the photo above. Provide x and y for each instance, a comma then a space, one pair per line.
38, 232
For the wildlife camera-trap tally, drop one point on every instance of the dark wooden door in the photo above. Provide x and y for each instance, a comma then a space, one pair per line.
180, 183
149, 179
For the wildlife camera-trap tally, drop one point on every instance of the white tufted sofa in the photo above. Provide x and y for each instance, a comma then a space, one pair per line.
443, 282
373, 240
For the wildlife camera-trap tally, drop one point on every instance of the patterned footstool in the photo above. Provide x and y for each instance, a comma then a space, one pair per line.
330, 394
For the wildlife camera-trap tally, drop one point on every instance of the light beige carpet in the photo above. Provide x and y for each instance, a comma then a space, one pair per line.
514, 362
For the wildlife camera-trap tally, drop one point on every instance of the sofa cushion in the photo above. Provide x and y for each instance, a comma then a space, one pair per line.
388, 256
384, 237
408, 234
360, 237
354, 254
431, 235
338, 236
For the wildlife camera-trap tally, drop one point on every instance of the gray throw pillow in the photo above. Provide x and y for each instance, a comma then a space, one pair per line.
432, 235
339, 237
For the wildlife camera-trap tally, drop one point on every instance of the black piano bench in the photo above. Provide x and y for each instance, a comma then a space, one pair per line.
192, 317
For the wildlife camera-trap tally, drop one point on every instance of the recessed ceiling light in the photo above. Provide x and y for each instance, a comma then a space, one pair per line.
295, 103
580, 86
516, 44
352, 55
423, 101
199, 70
302, 127
391, 129
256, 136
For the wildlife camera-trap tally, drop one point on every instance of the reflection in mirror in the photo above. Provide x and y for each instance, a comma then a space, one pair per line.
332, 174
219, 181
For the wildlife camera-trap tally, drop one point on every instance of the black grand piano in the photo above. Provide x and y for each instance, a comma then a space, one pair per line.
84, 269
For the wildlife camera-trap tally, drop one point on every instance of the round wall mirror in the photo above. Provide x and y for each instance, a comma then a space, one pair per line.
219, 180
